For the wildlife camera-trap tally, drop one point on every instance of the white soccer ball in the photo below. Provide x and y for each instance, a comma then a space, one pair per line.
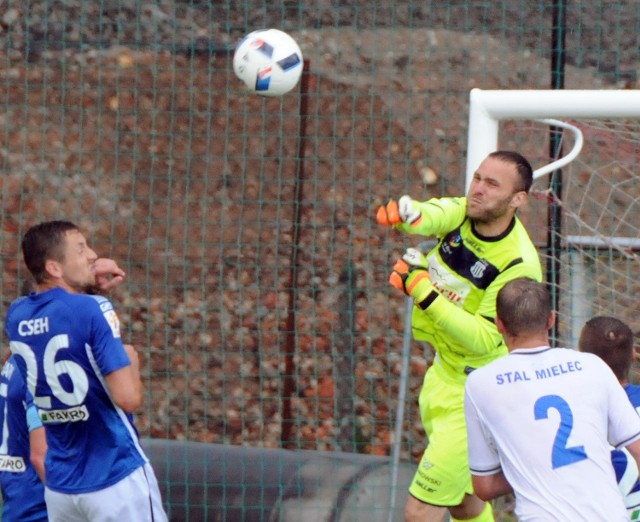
269, 62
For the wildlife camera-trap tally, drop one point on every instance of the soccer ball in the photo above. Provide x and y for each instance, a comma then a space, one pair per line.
269, 62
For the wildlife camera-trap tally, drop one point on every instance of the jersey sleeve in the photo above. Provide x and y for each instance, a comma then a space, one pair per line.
33, 418
476, 332
483, 456
624, 422
439, 216
107, 344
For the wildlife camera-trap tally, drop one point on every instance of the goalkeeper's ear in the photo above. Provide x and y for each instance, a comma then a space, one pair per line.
519, 199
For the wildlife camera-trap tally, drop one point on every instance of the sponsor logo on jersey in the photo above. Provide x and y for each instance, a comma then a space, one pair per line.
114, 322
12, 464
77, 414
454, 289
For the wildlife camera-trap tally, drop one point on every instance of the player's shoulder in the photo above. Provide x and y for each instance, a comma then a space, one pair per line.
8, 368
16, 304
102, 302
633, 392
88, 303
589, 363
479, 376
564, 353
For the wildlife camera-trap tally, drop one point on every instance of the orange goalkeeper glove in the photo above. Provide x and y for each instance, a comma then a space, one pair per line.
397, 212
411, 276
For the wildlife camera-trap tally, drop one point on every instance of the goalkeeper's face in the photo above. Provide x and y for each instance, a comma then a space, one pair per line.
494, 194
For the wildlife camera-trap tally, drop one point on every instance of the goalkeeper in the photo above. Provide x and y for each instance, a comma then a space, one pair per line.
481, 246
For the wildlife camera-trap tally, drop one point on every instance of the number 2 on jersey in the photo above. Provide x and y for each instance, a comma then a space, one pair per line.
561, 454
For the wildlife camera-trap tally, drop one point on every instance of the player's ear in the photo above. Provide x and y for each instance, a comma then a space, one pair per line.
551, 321
500, 326
519, 199
53, 268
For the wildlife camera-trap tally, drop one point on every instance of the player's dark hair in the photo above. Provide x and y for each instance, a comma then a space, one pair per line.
525, 172
523, 305
43, 242
611, 340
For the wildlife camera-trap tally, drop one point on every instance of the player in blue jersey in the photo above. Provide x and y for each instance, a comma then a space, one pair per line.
84, 382
22, 439
541, 421
22, 450
612, 340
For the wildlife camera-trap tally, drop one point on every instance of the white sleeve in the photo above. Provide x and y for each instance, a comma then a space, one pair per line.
624, 422
483, 456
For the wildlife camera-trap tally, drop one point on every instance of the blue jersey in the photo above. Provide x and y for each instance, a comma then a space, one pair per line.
67, 344
22, 490
626, 468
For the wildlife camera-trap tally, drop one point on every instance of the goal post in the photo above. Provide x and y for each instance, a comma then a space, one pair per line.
599, 233
488, 107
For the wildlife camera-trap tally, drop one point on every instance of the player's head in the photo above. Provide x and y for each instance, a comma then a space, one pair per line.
523, 309
612, 341
56, 253
500, 185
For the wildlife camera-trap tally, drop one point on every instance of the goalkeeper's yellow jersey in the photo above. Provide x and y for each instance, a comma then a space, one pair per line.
468, 270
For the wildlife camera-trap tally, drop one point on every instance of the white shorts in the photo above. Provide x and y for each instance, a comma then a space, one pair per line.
135, 497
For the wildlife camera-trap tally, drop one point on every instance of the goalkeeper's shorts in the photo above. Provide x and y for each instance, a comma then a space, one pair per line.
443, 476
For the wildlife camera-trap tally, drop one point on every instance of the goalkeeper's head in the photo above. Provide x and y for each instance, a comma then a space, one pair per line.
522, 165
611, 340
499, 186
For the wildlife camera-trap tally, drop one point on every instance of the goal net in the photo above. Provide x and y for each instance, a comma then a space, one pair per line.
591, 253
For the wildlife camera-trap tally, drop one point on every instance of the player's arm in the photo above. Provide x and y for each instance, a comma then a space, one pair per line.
37, 441
108, 274
488, 479
125, 384
488, 487
426, 218
118, 363
476, 332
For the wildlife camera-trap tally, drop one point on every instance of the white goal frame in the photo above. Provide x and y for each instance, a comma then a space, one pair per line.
488, 107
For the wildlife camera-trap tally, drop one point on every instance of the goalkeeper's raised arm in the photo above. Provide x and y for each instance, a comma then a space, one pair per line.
481, 246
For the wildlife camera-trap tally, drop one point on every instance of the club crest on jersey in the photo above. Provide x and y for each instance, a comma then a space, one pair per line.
478, 268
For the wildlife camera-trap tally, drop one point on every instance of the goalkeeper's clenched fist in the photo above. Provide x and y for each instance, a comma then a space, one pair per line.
397, 212
410, 275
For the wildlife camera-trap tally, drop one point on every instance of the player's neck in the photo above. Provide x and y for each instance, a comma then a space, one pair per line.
524, 342
495, 227
58, 283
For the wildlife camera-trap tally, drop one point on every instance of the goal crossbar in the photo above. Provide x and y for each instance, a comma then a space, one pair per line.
488, 107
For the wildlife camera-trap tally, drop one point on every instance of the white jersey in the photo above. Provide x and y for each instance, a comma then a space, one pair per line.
544, 417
